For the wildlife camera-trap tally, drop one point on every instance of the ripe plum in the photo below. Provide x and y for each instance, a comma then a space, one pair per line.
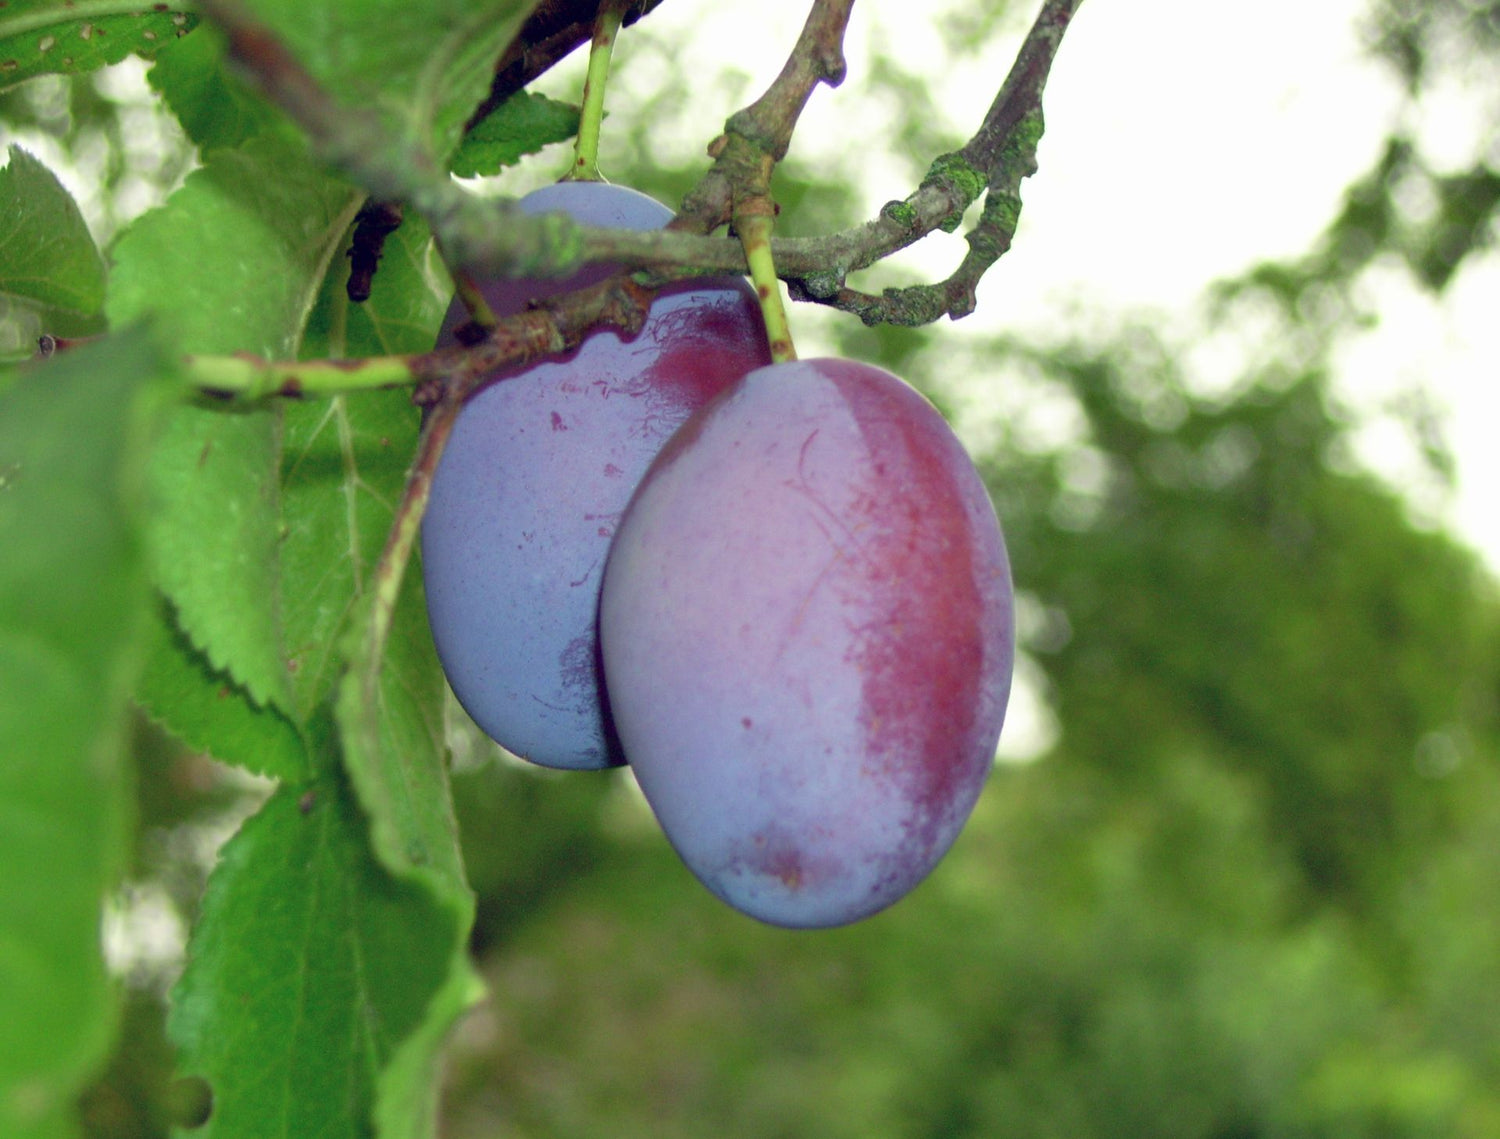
535, 475
807, 632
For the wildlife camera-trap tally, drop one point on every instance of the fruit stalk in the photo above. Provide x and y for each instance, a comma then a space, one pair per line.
472, 298
591, 117
753, 224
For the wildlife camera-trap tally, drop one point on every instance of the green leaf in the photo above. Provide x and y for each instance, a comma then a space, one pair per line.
51, 275
390, 700
390, 718
410, 294
214, 541
308, 968
75, 36
216, 110
270, 523
421, 66
207, 711
343, 465
521, 125
232, 261
73, 436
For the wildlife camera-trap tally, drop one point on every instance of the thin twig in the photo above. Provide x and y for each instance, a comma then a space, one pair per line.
457, 370
995, 160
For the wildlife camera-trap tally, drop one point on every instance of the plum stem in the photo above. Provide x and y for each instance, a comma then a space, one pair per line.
468, 291
586, 149
754, 228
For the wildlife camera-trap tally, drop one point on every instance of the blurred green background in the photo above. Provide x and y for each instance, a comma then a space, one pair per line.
1243, 884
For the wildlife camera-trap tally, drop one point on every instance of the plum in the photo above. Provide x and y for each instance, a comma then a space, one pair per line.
536, 473
807, 629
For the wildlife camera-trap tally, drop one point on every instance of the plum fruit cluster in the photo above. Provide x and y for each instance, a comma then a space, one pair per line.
778, 589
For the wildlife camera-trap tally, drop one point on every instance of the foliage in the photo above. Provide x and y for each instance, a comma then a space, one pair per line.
329, 917
1247, 891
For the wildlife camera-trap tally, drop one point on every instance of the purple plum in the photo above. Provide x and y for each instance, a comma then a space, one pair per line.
536, 473
807, 628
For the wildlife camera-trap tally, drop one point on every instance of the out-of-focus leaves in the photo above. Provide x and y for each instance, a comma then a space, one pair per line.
215, 108
422, 67
73, 439
1434, 214
1213, 572
1428, 39
42, 36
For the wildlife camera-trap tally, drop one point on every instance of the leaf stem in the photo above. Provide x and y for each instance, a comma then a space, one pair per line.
586, 149
248, 378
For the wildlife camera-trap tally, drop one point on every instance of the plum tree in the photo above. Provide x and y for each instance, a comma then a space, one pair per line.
538, 469
807, 632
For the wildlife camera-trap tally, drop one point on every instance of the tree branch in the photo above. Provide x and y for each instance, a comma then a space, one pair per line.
994, 162
490, 237
451, 372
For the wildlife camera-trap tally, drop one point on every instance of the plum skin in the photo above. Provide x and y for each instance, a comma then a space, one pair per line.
537, 470
808, 640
